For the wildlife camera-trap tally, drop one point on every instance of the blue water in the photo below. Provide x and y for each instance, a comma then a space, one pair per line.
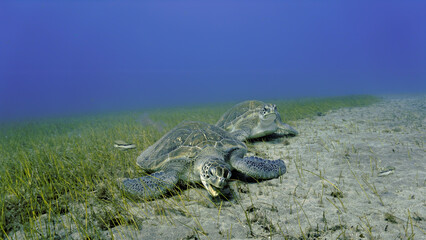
61, 57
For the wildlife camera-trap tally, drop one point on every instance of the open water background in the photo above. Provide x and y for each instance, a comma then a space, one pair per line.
71, 57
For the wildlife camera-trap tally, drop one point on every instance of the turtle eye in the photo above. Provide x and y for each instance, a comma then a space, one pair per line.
275, 107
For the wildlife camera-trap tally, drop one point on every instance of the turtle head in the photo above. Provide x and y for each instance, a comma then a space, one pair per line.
268, 112
214, 175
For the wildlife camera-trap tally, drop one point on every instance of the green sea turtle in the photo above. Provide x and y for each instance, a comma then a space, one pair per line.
196, 152
253, 119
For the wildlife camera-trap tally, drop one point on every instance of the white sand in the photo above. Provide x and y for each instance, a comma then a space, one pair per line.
345, 148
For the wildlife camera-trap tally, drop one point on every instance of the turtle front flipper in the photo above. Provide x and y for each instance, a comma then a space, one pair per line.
259, 168
284, 128
151, 186
241, 134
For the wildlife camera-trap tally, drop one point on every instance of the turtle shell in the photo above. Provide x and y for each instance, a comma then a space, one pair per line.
242, 112
181, 145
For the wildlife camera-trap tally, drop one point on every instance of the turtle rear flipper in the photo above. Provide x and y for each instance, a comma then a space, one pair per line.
151, 186
259, 168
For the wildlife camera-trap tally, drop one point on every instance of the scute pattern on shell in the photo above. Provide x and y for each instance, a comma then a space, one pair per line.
183, 143
238, 112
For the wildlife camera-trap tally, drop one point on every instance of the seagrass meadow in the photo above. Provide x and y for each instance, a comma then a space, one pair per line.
58, 175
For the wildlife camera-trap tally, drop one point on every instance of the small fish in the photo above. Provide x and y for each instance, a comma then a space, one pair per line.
122, 145
386, 171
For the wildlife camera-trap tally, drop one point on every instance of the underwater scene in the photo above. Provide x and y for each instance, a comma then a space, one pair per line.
212, 120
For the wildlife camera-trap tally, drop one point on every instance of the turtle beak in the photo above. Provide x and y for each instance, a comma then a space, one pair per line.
212, 190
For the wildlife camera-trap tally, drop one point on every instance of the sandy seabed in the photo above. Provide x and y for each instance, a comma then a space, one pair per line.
352, 173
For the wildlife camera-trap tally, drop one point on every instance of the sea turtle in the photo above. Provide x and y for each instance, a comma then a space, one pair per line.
253, 119
196, 152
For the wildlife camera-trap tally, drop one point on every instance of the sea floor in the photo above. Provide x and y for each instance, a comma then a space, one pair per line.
374, 155
353, 173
